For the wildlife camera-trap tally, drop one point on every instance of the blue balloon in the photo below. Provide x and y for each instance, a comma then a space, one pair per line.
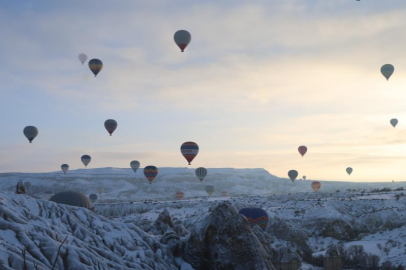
256, 216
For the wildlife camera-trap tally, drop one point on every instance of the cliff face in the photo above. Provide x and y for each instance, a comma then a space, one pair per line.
223, 240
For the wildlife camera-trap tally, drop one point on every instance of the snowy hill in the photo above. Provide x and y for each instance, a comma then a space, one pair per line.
125, 185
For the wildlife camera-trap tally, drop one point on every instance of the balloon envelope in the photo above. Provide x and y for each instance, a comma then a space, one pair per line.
135, 164
387, 70
316, 186
86, 159
255, 216
182, 39
95, 66
349, 170
100, 190
82, 58
93, 197
292, 175
30, 132
304, 177
179, 195
210, 190
224, 193
65, 168
201, 173
302, 150
150, 173
110, 125
189, 150
394, 122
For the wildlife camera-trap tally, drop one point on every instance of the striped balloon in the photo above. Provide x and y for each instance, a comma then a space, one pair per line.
150, 173
255, 216
65, 168
30, 132
179, 195
110, 125
210, 190
95, 66
224, 193
189, 150
135, 164
86, 159
201, 173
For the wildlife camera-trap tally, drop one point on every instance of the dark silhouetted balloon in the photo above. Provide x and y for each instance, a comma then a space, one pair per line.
255, 216
65, 167
292, 175
304, 177
86, 159
95, 66
93, 198
201, 173
135, 164
182, 39
210, 190
387, 70
189, 150
150, 173
72, 198
110, 125
30, 132
394, 122
302, 150
349, 170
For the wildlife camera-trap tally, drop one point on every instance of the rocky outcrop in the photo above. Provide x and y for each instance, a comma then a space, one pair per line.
224, 240
163, 223
337, 228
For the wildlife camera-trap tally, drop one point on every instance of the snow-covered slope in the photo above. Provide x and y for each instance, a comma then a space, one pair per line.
93, 242
124, 185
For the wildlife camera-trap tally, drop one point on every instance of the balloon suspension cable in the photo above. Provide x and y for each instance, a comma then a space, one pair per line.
189, 163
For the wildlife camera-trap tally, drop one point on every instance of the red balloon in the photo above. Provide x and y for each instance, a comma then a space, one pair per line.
179, 195
316, 186
302, 150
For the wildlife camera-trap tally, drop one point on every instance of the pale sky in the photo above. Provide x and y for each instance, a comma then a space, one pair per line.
259, 79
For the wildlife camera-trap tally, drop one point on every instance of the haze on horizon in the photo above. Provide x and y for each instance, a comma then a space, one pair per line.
257, 81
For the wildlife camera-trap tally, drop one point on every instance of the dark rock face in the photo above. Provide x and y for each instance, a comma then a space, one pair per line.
163, 223
337, 228
224, 240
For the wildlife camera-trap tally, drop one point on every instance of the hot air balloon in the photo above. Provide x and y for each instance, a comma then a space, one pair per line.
189, 150
82, 58
255, 216
387, 70
86, 159
292, 175
110, 125
224, 193
179, 195
95, 66
304, 177
65, 168
150, 173
302, 150
210, 190
30, 132
135, 164
182, 39
349, 170
201, 173
316, 186
100, 190
93, 198
394, 122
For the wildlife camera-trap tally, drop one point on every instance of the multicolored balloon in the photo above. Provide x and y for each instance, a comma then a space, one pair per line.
394, 122
224, 194
82, 58
93, 198
302, 150
316, 186
150, 173
179, 195
65, 167
201, 173
293, 174
135, 164
387, 70
110, 125
189, 150
182, 39
210, 190
86, 159
256, 216
95, 66
30, 132
349, 170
